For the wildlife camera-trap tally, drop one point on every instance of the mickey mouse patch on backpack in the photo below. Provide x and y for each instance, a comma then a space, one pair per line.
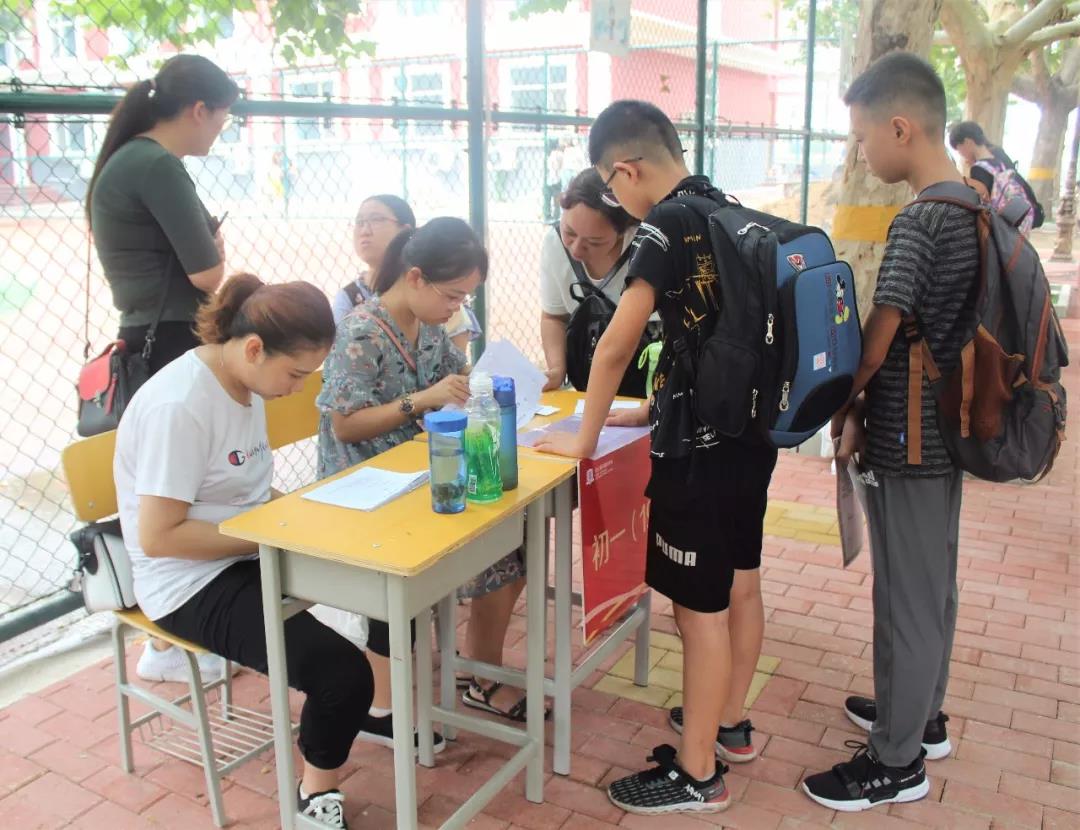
843, 312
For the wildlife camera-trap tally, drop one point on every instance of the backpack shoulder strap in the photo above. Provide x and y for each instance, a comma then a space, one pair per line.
352, 291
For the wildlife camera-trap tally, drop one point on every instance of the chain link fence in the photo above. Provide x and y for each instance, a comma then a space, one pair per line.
307, 144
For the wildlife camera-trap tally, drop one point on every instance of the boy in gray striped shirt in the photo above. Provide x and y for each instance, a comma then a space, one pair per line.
929, 270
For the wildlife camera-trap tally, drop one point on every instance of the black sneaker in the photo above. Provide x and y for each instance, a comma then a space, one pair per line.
733, 743
864, 782
326, 808
862, 711
668, 789
381, 731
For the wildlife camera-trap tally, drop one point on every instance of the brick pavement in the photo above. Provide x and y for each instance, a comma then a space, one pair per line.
1014, 699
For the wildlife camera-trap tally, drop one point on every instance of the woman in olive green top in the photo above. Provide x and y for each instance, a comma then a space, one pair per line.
161, 250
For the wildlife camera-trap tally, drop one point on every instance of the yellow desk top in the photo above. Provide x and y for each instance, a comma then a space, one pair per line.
403, 537
565, 399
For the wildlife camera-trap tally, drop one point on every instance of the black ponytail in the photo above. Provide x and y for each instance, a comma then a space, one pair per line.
183, 80
445, 249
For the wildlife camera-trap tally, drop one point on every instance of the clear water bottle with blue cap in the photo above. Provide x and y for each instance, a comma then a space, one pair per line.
446, 453
506, 398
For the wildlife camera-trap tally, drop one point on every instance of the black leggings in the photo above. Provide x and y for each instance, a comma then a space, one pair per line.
378, 636
171, 340
226, 617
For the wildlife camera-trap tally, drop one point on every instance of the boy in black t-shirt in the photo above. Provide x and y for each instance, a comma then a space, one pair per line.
708, 493
929, 270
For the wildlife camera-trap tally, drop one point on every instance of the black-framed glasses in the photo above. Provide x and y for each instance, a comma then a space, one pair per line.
607, 195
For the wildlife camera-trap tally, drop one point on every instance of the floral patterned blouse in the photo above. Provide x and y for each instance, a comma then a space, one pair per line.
366, 369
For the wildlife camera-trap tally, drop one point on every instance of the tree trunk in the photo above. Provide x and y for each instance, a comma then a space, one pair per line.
1045, 169
989, 82
866, 205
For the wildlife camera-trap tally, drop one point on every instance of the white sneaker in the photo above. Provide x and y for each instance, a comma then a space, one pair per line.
171, 666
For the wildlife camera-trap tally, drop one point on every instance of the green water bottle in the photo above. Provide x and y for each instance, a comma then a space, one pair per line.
483, 481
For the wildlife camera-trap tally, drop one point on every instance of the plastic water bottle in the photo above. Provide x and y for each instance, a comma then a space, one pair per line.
446, 454
506, 398
483, 480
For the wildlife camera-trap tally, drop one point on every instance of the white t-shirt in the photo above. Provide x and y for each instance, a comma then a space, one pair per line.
184, 437
556, 276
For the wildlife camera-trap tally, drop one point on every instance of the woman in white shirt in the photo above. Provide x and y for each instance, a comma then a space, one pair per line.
591, 244
191, 451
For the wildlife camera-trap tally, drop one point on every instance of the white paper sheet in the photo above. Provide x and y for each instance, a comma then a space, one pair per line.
851, 483
502, 358
368, 488
611, 438
546, 410
579, 409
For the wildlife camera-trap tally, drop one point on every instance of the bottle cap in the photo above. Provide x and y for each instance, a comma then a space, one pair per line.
505, 394
445, 421
479, 383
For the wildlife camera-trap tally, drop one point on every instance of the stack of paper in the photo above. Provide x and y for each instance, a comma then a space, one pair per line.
369, 488
503, 358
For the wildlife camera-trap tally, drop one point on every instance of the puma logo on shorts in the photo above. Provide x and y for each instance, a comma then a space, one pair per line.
679, 557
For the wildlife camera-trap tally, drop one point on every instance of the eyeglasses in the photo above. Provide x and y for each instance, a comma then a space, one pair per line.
372, 222
464, 299
607, 194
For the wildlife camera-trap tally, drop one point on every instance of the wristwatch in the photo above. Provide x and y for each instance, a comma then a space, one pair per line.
406, 406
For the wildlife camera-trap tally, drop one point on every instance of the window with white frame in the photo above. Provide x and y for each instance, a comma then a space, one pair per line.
538, 84
419, 8
419, 85
65, 38
311, 89
73, 136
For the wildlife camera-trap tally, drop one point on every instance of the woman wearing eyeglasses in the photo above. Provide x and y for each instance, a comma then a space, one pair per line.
379, 219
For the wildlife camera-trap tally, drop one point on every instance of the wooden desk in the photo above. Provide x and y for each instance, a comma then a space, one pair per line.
565, 676
394, 564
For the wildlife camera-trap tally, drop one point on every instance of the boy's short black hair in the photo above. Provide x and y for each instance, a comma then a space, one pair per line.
901, 78
637, 127
965, 130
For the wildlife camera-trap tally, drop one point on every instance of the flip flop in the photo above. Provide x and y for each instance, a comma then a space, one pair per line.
478, 697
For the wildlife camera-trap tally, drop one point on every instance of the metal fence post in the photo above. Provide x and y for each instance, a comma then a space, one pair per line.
474, 67
699, 99
808, 115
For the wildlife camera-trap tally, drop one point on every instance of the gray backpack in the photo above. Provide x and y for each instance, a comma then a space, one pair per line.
1002, 411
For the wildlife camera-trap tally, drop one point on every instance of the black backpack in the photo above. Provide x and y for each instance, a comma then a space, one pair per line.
587, 324
1002, 411
781, 356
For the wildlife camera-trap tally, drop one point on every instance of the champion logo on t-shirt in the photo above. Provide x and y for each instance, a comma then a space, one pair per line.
238, 457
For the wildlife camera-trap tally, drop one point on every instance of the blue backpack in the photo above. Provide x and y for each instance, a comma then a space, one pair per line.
782, 356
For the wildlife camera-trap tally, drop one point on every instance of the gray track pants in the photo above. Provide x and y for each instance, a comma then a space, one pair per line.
914, 525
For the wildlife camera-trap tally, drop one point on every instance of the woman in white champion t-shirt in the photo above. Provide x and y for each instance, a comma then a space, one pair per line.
191, 451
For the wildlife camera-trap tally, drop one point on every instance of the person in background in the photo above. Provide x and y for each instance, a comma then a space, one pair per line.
591, 243
379, 219
162, 252
192, 451
994, 173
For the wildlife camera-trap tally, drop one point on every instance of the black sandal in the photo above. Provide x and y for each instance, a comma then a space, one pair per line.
478, 697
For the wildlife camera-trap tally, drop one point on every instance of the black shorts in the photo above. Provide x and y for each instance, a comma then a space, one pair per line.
706, 522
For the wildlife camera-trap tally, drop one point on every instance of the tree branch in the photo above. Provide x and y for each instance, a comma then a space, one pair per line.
1031, 22
1026, 88
1061, 31
967, 31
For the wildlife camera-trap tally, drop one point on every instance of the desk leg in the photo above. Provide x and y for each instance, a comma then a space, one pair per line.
274, 620
448, 694
401, 700
564, 567
536, 604
423, 687
641, 641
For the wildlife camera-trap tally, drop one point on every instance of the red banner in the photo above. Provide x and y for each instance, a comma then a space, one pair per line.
614, 524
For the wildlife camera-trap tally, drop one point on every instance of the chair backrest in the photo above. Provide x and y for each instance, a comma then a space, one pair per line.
88, 463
